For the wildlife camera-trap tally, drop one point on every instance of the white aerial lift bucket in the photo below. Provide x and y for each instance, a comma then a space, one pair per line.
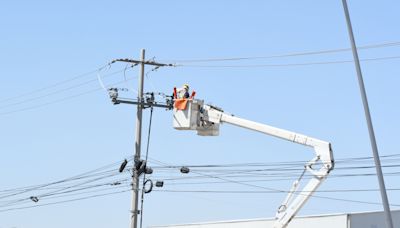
190, 118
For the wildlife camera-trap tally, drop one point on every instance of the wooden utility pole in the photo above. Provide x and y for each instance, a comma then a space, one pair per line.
138, 142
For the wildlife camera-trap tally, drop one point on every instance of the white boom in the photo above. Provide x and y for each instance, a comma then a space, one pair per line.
206, 120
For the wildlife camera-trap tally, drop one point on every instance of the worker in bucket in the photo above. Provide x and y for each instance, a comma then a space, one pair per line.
183, 93
182, 97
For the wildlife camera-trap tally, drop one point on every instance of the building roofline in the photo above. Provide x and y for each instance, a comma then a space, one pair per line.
271, 219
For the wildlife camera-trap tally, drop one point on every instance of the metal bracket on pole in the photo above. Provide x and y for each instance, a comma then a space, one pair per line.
145, 104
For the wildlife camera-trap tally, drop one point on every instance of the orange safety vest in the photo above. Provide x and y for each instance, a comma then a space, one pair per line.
181, 104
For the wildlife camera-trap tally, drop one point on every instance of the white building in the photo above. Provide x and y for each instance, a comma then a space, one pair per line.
351, 220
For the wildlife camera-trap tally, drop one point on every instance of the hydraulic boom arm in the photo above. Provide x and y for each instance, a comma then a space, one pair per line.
206, 120
323, 155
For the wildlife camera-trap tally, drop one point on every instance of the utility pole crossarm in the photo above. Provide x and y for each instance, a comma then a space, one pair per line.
144, 104
146, 62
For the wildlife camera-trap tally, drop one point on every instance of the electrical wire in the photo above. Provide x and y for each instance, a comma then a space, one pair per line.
125, 78
271, 191
52, 85
298, 193
41, 186
82, 187
64, 201
276, 177
57, 91
382, 45
286, 167
60, 100
295, 163
241, 171
149, 79
278, 190
100, 80
71, 193
289, 64
144, 174
182, 65
280, 169
79, 188
247, 179
75, 189
62, 193
96, 172
82, 190
329, 51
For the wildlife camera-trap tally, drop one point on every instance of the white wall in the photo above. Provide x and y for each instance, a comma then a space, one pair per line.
356, 220
373, 220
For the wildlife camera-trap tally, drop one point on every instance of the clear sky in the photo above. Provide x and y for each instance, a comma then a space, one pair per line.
45, 42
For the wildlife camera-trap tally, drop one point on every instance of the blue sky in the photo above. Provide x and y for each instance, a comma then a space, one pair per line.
45, 42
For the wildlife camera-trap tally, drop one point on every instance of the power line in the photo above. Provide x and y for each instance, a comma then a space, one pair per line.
52, 85
289, 64
80, 188
248, 179
271, 191
364, 159
67, 190
382, 45
61, 99
181, 65
197, 180
264, 192
296, 193
286, 167
67, 193
277, 168
276, 177
76, 177
64, 201
144, 174
99, 171
57, 91
278, 190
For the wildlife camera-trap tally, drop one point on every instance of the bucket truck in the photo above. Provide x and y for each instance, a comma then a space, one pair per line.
206, 119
